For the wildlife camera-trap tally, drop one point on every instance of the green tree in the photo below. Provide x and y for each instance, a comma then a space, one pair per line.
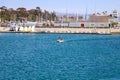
22, 13
53, 16
39, 13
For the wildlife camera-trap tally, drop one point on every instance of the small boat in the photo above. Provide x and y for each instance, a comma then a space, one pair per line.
60, 40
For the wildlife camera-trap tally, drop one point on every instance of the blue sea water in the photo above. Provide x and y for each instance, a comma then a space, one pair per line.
40, 57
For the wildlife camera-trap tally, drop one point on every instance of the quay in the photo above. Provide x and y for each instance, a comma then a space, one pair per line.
67, 30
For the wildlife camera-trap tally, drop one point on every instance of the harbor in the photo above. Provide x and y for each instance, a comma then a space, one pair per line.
59, 40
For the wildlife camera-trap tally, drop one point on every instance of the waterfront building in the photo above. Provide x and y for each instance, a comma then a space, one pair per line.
93, 21
99, 21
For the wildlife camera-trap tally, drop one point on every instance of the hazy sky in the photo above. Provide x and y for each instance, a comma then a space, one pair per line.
79, 6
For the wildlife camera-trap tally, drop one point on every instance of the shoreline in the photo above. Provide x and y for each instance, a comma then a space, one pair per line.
67, 30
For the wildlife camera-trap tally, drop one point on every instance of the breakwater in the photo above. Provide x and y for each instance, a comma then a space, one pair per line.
69, 30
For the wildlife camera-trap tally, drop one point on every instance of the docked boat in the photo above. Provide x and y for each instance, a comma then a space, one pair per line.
60, 40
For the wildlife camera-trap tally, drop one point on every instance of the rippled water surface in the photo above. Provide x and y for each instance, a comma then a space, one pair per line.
40, 57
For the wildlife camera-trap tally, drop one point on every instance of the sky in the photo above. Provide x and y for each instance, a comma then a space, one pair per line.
63, 6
